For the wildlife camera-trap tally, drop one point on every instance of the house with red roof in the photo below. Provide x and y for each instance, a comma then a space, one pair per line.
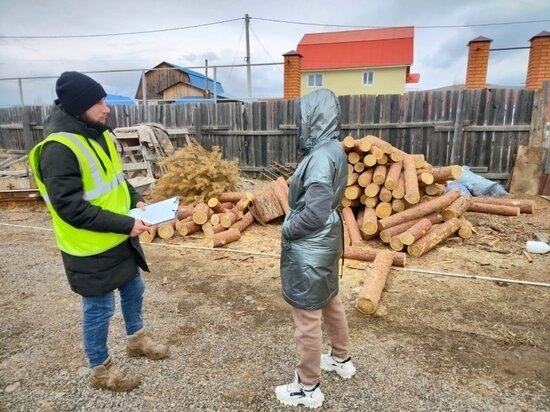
371, 61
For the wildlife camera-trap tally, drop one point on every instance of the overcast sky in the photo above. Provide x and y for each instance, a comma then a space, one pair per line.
440, 50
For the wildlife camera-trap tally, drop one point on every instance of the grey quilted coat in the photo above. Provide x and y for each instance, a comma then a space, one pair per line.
310, 255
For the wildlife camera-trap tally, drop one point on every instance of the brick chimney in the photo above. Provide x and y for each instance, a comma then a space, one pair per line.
293, 74
478, 60
539, 60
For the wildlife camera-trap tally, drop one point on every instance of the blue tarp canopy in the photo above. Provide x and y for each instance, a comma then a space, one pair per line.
117, 100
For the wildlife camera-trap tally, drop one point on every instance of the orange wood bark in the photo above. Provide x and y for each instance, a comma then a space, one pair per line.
223, 238
420, 210
415, 232
466, 230
367, 254
185, 228
244, 202
456, 208
353, 227
215, 204
265, 206
525, 205
242, 224
392, 177
412, 193
399, 191
232, 197
442, 174
370, 221
185, 211
436, 235
493, 209
387, 234
373, 284
202, 213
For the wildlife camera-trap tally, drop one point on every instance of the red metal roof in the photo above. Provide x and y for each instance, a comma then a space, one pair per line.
357, 48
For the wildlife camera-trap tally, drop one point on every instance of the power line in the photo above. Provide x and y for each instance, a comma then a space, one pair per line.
268, 20
121, 34
416, 27
261, 44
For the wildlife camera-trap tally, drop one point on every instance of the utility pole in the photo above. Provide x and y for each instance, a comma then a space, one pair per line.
247, 58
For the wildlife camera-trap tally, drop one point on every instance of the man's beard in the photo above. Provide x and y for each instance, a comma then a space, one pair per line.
101, 126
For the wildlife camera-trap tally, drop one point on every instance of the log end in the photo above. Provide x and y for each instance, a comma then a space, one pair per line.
365, 306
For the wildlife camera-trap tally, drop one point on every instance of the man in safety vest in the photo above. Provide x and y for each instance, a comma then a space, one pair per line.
79, 174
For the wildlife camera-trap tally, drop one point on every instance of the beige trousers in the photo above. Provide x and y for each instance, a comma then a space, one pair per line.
309, 337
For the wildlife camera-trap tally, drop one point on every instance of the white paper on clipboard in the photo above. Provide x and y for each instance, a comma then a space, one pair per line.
159, 212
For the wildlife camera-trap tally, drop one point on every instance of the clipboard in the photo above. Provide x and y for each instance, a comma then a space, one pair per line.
159, 212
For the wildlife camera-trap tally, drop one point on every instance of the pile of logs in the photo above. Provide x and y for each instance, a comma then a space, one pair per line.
402, 200
222, 218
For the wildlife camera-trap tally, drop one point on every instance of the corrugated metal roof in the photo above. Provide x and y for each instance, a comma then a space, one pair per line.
198, 80
357, 48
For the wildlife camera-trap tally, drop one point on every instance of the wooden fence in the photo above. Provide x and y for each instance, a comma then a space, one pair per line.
480, 128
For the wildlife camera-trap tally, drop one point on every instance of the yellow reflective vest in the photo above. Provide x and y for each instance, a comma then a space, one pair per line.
106, 189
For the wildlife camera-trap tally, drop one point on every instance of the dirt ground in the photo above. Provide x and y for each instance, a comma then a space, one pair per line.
436, 342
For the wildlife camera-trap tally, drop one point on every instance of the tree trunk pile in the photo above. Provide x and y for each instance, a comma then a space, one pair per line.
402, 199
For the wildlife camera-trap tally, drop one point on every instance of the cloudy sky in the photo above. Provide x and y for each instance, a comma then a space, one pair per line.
32, 42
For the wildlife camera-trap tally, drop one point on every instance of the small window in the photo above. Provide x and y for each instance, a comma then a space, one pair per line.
368, 78
314, 80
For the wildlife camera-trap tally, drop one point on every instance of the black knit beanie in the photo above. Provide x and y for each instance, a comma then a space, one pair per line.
77, 92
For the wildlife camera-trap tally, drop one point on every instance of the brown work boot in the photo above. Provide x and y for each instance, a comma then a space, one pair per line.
141, 344
107, 376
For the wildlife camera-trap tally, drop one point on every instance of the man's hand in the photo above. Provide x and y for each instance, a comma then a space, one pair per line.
139, 228
141, 205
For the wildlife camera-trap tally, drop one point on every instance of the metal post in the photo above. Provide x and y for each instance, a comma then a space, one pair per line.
215, 85
206, 89
247, 58
144, 94
21, 91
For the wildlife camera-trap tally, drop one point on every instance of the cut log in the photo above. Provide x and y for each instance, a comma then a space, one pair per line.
396, 244
223, 238
215, 204
232, 197
210, 230
247, 198
371, 201
353, 192
399, 191
353, 227
397, 155
381, 144
436, 235
392, 177
412, 193
166, 230
350, 203
353, 157
398, 205
425, 178
385, 195
368, 254
265, 207
365, 178
185, 211
493, 209
379, 174
373, 284
359, 167
466, 230
281, 193
442, 174
352, 178
201, 214
349, 143
372, 190
229, 218
283, 184
186, 228
215, 218
149, 235
456, 208
415, 232
242, 224
369, 225
419, 160
387, 234
525, 205
362, 145
435, 189
383, 160
420, 210
369, 160
383, 209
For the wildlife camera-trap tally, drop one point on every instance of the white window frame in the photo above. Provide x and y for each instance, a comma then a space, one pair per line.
368, 73
315, 77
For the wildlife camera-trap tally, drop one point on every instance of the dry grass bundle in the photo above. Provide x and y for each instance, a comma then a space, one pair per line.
196, 174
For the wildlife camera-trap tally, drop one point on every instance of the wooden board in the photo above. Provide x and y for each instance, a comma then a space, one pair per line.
528, 170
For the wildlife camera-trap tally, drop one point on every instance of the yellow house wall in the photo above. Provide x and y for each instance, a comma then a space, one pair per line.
387, 80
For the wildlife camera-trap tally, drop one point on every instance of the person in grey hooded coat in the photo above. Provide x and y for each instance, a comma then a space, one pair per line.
312, 244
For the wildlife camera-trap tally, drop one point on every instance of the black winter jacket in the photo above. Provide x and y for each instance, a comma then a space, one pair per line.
98, 274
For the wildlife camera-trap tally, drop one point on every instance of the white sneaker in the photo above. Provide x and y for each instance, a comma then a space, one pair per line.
343, 367
297, 393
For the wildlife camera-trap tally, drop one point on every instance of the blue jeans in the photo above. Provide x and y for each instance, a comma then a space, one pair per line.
97, 312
